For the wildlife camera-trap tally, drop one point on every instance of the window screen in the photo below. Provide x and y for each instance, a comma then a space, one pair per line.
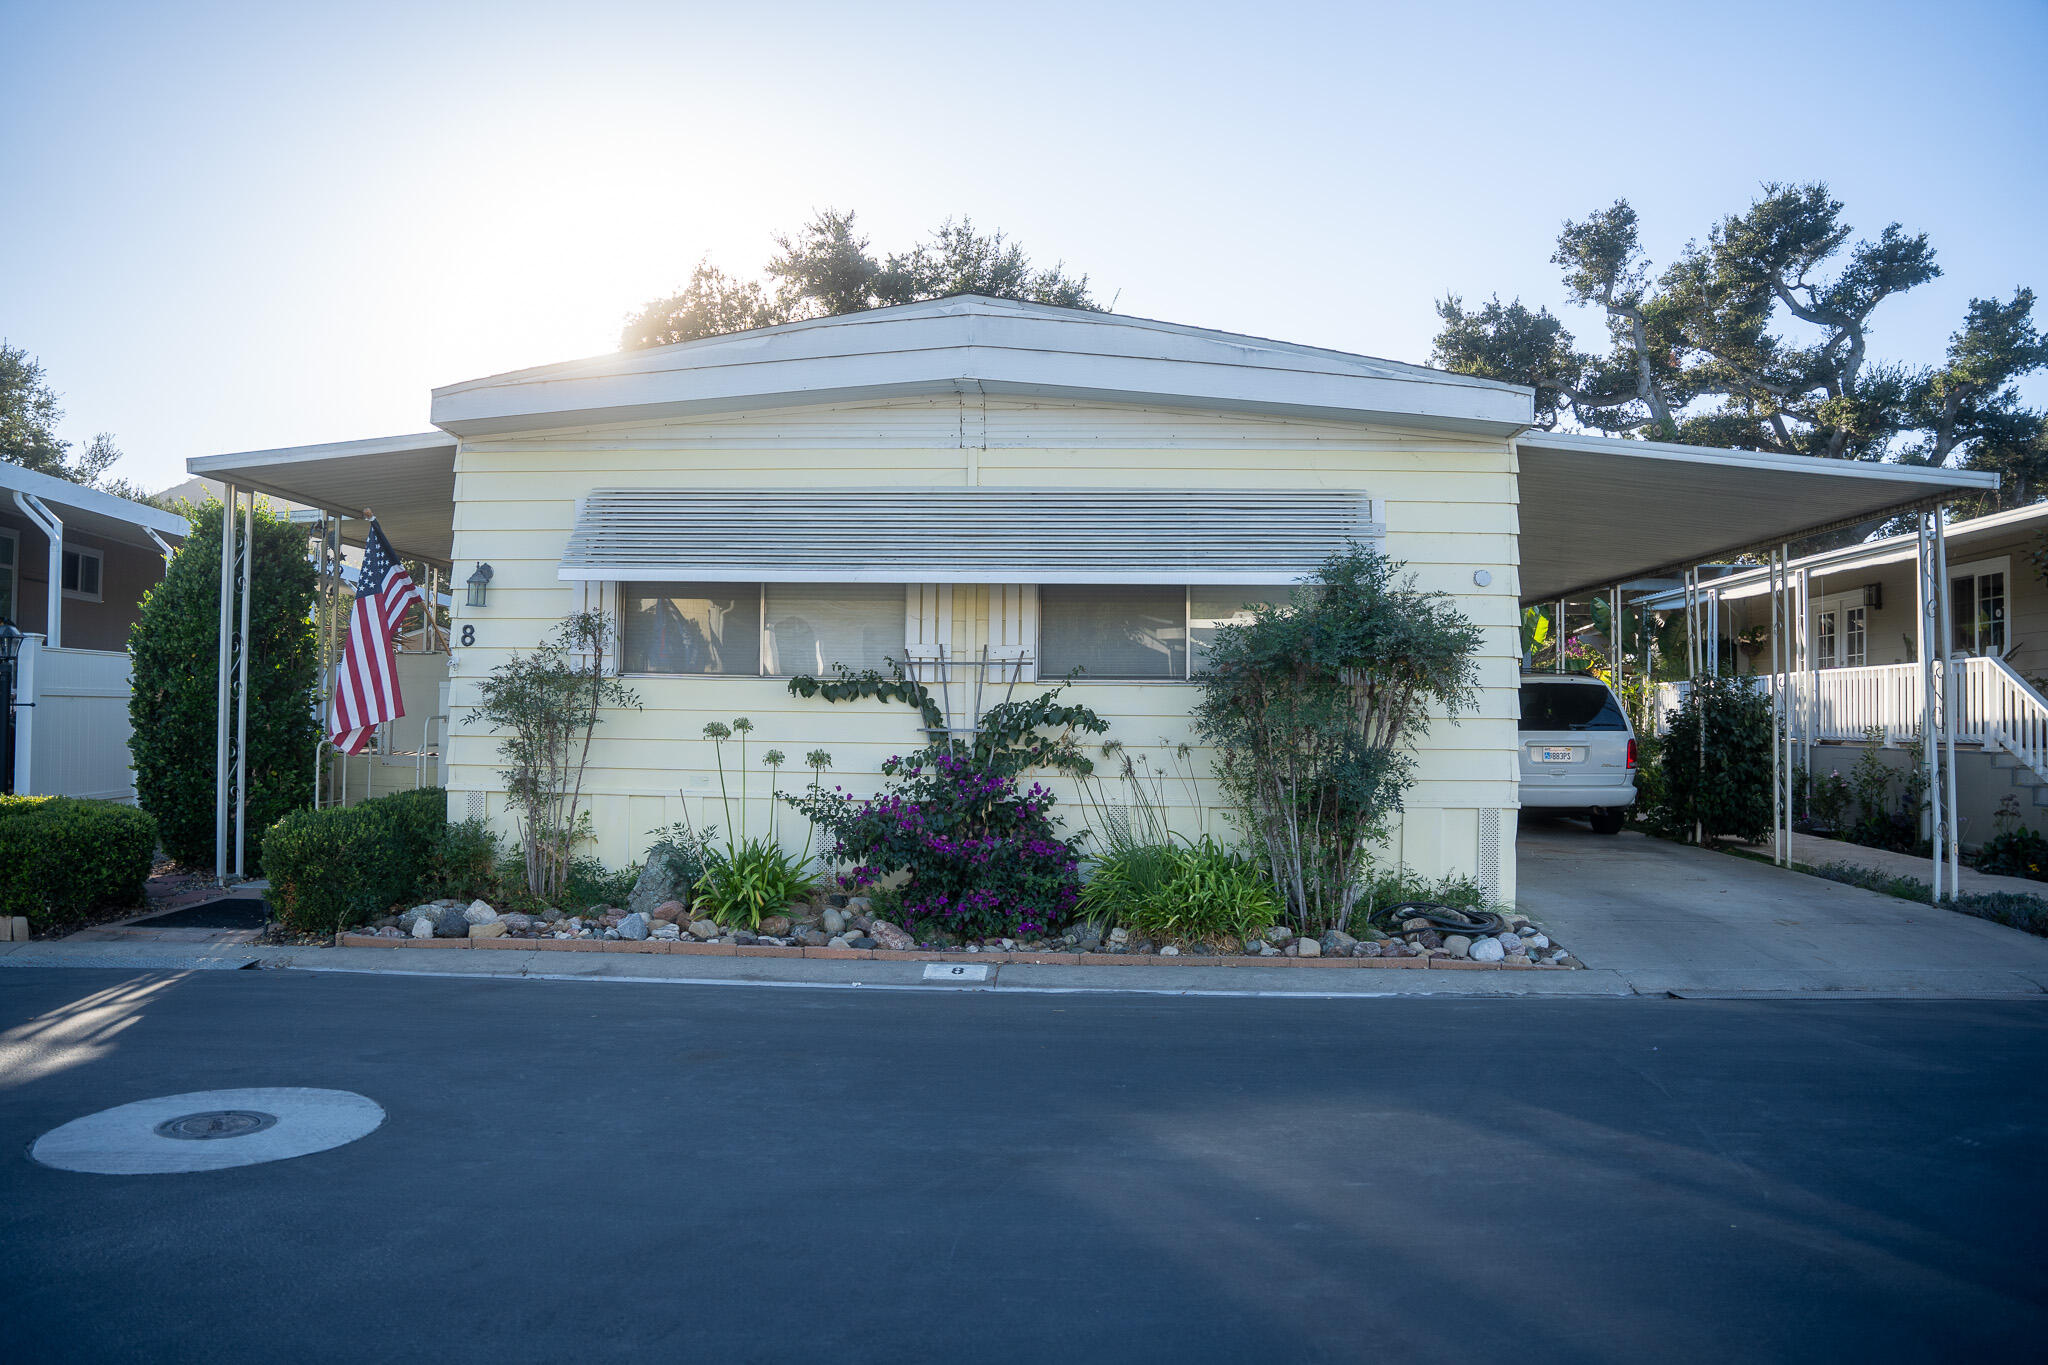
812, 626
1212, 608
691, 628
1570, 706
1112, 631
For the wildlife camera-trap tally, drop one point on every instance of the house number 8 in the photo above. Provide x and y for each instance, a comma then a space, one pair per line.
469, 635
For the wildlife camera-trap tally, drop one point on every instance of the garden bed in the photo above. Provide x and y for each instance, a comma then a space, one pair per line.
852, 932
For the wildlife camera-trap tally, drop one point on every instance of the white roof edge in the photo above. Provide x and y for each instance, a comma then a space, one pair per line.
331, 450
960, 305
1871, 552
65, 493
1932, 475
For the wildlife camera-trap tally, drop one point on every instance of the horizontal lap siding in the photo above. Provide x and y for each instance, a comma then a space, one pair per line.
1448, 506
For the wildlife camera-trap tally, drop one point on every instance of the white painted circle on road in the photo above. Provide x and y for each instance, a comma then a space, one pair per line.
208, 1130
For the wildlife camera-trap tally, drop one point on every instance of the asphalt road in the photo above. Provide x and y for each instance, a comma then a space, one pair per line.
596, 1171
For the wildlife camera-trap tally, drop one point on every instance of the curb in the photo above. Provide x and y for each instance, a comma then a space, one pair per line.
997, 958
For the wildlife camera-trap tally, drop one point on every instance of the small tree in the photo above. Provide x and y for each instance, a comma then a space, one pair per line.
1315, 706
549, 702
174, 648
1715, 763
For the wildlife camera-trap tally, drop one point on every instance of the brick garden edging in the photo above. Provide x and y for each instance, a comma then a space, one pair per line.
685, 947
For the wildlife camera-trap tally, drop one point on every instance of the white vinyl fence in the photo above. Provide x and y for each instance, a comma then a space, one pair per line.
73, 739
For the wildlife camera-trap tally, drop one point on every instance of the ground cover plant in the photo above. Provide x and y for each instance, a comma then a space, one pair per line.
2029, 913
1314, 707
744, 878
61, 857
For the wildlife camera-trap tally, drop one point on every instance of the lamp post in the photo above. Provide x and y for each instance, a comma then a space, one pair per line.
10, 650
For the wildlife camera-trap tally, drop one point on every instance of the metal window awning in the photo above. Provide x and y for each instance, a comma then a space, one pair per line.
962, 535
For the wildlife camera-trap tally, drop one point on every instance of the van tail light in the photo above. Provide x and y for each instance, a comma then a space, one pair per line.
1631, 751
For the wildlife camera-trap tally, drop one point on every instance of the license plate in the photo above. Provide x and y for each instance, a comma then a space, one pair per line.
1543, 755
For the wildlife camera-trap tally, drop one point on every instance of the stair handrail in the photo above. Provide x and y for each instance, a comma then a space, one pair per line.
2014, 714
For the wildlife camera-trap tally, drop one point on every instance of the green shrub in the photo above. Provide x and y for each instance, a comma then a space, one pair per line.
2010, 908
745, 882
1188, 892
61, 857
174, 646
463, 863
2015, 853
1726, 793
333, 868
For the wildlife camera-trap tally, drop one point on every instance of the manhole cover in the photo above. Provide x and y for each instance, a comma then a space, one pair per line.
209, 1130
216, 1123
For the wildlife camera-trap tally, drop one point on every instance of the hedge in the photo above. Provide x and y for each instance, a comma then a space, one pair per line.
61, 857
332, 868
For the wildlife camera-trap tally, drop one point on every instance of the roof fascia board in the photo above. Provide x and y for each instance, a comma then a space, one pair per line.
1935, 477
78, 497
216, 466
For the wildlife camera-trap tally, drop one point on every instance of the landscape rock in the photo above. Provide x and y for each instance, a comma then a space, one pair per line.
450, 923
480, 912
860, 905
658, 884
669, 912
891, 937
861, 941
1458, 945
421, 928
774, 926
1280, 934
813, 938
517, 921
1169, 951
832, 921
495, 929
1119, 936
1537, 940
633, 926
1416, 923
1337, 943
1307, 947
551, 916
703, 930
1488, 950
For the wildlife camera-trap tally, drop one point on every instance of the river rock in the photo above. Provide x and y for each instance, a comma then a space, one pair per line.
633, 926
1536, 941
1307, 947
1169, 951
814, 938
1487, 950
669, 912
891, 937
703, 930
831, 920
774, 926
480, 912
1337, 943
1458, 945
1280, 934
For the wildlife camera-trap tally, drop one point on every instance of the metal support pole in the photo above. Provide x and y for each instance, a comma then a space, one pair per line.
1714, 633
1614, 634
1931, 652
242, 692
1952, 839
1557, 660
225, 679
1777, 703
1795, 644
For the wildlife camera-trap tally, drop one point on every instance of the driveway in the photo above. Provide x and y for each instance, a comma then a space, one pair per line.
1672, 918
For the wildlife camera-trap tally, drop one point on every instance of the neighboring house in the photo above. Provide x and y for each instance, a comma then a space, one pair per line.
74, 565
1065, 489
1863, 646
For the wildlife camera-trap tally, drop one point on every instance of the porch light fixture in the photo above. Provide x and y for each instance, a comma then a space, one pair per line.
10, 645
479, 584
10, 650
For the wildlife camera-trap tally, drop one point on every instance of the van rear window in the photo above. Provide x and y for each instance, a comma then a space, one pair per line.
1570, 706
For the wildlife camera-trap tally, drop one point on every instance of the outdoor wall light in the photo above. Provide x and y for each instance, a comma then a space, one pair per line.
10, 645
479, 584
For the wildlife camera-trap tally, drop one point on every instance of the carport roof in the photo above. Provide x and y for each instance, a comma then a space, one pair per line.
409, 481
1598, 510
90, 510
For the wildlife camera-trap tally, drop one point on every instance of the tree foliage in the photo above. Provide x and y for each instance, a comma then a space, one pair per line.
1714, 763
1315, 707
548, 704
174, 646
1760, 337
29, 414
827, 268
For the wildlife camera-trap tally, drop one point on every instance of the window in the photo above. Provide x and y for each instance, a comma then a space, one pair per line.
82, 574
1112, 631
1841, 635
10, 551
756, 630
1115, 632
1570, 706
1855, 638
1976, 604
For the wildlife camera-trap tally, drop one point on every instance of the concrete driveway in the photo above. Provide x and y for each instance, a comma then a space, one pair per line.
1671, 918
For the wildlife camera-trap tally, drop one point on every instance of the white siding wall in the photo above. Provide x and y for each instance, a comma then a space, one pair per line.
76, 732
1448, 505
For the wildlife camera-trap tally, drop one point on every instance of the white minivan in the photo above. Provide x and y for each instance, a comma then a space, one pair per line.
1578, 750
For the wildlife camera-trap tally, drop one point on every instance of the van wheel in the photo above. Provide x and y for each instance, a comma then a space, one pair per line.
1608, 821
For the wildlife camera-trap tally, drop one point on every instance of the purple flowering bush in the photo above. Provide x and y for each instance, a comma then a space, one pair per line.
981, 857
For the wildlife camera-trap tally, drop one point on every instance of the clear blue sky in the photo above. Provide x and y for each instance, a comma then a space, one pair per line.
233, 226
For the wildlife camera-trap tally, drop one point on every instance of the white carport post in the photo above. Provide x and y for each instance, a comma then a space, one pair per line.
231, 721
1779, 667
1931, 582
1952, 839
223, 683
52, 528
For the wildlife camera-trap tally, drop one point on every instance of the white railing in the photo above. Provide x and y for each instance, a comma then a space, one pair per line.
1994, 706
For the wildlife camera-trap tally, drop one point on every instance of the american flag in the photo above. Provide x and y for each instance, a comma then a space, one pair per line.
366, 685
